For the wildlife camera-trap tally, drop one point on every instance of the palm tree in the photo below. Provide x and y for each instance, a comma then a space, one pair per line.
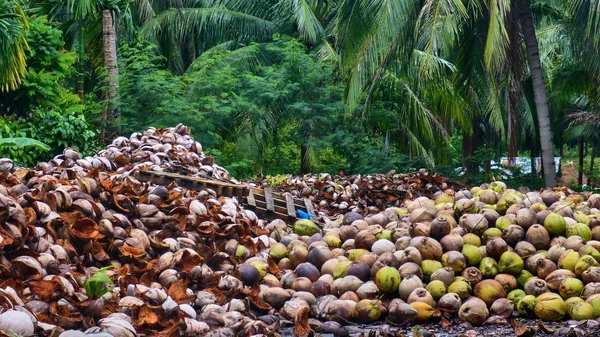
13, 43
184, 30
89, 26
374, 34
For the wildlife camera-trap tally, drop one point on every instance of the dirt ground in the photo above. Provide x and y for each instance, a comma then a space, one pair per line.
528, 328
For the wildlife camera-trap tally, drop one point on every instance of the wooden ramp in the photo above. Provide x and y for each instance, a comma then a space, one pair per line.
264, 202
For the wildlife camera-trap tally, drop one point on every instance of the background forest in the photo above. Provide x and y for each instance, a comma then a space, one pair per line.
297, 86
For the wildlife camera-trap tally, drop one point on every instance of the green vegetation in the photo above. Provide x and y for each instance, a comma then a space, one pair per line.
281, 86
99, 284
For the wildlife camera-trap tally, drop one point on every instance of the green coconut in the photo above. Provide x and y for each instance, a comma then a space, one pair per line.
471, 239
341, 269
590, 250
353, 254
384, 234
571, 301
579, 229
387, 279
526, 305
555, 224
278, 251
516, 295
581, 311
333, 241
460, 288
510, 263
568, 260
306, 227
472, 255
437, 289
550, 307
594, 301
488, 267
570, 287
503, 222
584, 263
429, 267
523, 277
582, 218
367, 311
491, 233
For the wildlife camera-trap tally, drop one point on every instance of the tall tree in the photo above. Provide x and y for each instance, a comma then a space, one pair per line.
13, 43
112, 70
539, 91
90, 28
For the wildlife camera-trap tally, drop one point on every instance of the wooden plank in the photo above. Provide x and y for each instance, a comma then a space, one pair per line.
309, 206
289, 200
276, 209
269, 200
250, 199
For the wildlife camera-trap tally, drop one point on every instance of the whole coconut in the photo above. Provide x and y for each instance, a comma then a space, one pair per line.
308, 270
502, 307
549, 197
489, 291
496, 247
473, 311
367, 311
513, 234
360, 270
538, 236
452, 242
474, 223
317, 256
383, 246
368, 290
550, 307
526, 218
421, 295
350, 217
276, 297
408, 285
340, 311
450, 302
387, 279
400, 312
429, 248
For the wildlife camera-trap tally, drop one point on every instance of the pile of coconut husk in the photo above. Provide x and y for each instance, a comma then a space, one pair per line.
372, 193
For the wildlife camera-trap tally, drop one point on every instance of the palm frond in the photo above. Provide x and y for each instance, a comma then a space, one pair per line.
13, 43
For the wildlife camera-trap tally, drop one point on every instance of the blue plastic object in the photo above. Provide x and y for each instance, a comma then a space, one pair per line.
304, 215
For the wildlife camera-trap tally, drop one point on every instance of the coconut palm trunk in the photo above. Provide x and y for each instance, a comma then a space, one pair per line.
109, 112
81, 50
539, 91
580, 163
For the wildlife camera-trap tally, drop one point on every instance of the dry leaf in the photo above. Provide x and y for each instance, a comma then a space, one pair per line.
545, 328
521, 330
302, 328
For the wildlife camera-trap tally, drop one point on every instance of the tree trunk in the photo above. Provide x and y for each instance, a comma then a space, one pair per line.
539, 91
580, 166
81, 77
590, 181
112, 73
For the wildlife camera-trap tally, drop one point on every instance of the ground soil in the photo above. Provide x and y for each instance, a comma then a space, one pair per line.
529, 328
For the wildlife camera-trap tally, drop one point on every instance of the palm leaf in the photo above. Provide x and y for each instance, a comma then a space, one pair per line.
23, 142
